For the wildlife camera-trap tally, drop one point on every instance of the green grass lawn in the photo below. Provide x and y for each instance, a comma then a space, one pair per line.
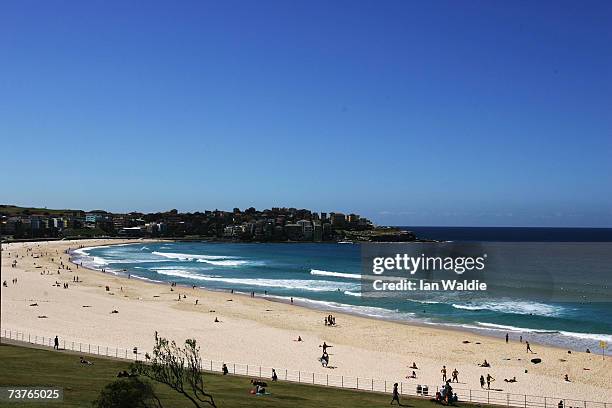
34, 367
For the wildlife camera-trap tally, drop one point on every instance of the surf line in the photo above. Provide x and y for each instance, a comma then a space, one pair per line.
423, 285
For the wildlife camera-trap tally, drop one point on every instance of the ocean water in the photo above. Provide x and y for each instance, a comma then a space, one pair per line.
327, 276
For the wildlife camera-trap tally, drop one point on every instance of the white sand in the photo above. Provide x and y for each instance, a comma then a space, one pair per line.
260, 332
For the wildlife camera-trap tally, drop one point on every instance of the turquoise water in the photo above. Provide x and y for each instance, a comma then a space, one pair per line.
327, 276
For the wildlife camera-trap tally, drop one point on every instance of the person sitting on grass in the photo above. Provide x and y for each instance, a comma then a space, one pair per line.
83, 361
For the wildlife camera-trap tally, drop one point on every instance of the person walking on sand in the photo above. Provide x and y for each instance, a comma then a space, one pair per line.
395, 395
443, 371
56, 343
455, 374
506, 338
482, 381
490, 379
529, 350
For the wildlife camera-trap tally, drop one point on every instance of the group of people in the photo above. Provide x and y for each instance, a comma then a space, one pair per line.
455, 375
260, 387
489, 380
446, 395
330, 320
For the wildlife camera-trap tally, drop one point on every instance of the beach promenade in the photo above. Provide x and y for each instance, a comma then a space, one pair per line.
117, 312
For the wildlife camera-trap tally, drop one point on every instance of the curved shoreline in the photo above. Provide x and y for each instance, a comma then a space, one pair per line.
537, 336
255, 331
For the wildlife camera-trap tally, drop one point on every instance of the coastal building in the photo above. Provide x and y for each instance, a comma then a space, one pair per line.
337, 220
317, 231
294, 232
307, 230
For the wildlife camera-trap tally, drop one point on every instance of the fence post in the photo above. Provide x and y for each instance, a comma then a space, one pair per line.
372, 384
234, 368
210, 365
508, 399
98, 350
247, 370
285, 374
357, 382
544, 402
299, 376
29, 340
327, 380
342, 379
313, 378
470, 395
488, 396
525, 401
259, 371
116, 352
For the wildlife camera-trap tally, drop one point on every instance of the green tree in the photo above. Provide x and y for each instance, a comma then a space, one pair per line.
127, 393
180, 368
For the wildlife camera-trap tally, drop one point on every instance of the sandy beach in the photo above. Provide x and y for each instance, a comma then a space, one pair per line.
260, 332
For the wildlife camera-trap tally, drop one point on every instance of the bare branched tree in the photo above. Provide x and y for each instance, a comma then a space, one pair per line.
177, 367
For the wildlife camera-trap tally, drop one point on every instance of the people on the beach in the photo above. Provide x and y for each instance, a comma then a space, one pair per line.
324, 359
395, 395
443, 371
224, 369
506, 338
56, 343
490, 379
484, 364
414, 366
482, 381
566, 378
511, 380
529, 350
274, 376
455, 375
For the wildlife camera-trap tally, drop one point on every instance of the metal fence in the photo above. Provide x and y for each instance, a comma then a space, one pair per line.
356, 383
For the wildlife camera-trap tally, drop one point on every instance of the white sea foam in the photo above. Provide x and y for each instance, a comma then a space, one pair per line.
349, 293
513, 307
189, 257
310, 285
583, 336
503, 327
370, 311
335, 274
227, 262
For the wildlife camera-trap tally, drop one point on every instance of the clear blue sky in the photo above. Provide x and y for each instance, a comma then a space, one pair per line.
469, 113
